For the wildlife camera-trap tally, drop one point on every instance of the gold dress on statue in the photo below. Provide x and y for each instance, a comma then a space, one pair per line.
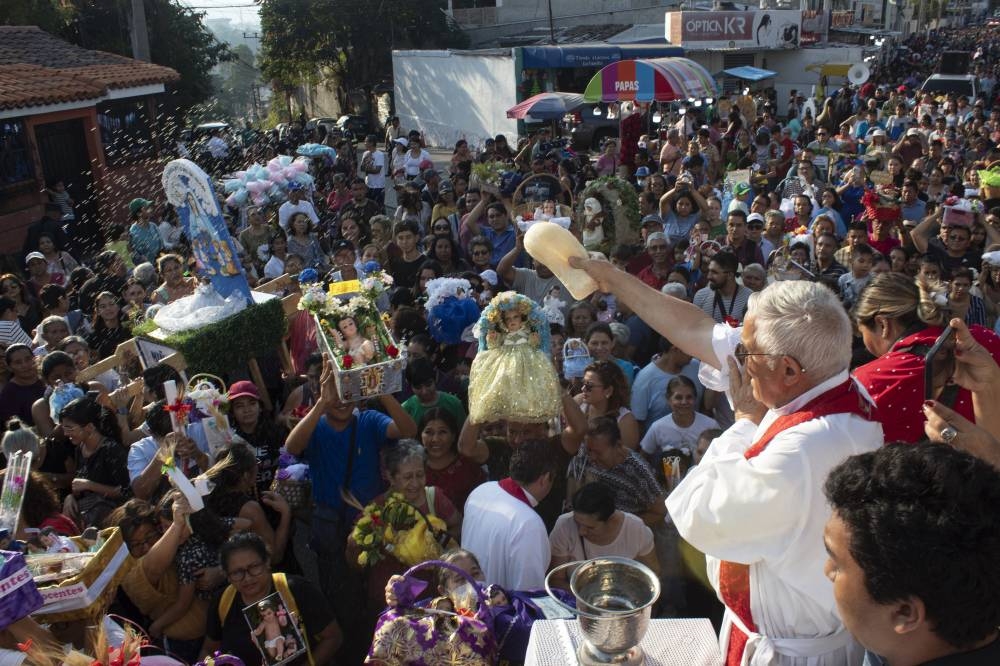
513, 381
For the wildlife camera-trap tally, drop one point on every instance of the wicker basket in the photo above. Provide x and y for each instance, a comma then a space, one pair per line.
367, 381
87, 595
298, 494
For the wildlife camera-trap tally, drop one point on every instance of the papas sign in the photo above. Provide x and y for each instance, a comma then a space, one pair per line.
626, 86
715, 26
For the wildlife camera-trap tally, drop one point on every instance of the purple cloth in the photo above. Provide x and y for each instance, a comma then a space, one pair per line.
19, 597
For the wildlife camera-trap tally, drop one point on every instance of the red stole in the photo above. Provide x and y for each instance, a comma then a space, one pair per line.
512, 488
734, 578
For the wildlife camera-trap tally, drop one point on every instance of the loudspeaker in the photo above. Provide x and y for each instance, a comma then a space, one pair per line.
954, 62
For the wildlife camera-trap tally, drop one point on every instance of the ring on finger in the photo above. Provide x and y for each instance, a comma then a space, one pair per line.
948, 434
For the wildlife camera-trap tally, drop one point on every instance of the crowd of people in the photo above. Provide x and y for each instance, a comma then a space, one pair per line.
761, 343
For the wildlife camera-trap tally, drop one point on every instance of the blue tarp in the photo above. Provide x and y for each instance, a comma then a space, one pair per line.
749, 73
592, 55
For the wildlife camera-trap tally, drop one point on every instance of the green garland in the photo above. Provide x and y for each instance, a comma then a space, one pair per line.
227, 345
621, 201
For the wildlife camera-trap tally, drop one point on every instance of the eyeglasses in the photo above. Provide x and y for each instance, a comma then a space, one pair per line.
657, 248
442, 227
755, 226
479, 253
742, 355
253, 570
148, 541
590, 386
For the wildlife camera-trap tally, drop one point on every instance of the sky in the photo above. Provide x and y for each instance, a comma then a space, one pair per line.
237, 11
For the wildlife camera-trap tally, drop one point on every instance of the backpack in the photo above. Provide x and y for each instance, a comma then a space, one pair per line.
281, 585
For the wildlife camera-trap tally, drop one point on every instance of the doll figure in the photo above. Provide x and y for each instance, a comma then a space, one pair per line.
270, 627
546, 211
360, 348
512, 377
593, 226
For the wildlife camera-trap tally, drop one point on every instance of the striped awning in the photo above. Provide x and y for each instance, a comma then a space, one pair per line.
654, 80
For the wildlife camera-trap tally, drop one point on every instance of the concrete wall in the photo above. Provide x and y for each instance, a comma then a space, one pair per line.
451, 96
792, 74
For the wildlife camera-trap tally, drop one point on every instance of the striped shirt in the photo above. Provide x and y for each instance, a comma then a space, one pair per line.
11, 333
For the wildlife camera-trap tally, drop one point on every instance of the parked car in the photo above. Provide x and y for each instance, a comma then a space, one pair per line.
959, 84
354, 127
587, 131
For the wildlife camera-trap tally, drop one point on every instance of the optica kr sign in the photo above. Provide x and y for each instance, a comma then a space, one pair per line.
710, 26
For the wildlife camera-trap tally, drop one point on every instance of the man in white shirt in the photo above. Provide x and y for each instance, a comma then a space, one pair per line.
373, 166
755, 503
501, 527
295, 204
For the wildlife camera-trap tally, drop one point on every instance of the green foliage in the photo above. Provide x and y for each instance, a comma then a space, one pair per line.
177, 37
222, 347
352, 38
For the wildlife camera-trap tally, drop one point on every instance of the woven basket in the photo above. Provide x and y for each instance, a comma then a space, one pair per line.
298, 494
87, 595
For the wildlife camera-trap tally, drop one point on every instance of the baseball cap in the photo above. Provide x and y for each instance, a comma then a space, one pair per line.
427, 174
913, 131
243, 389
878, 132
340, 245
136, 205
33, 255
446, 186
755, 218
294, 186
741, 189
652, 219
417, 182
308, 276
642, 172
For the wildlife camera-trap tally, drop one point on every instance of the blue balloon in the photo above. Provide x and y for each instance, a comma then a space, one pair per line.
232, 185
304, 179
241, 197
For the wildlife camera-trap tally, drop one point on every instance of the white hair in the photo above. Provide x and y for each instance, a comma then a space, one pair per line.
675, 289
806, 321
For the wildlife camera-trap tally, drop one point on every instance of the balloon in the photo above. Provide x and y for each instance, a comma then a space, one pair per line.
289, 172
279, 179
301, 167
241, 197
232, 185
266, 183
260, 199
284, 160
304, 179
256, 187
274, 192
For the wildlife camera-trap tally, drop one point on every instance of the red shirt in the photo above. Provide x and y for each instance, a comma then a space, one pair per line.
649, 277
895, 381
883, 247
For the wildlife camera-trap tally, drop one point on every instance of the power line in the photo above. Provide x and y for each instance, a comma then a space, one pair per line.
220, 6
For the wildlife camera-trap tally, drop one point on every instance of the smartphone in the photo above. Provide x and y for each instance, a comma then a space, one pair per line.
929, 358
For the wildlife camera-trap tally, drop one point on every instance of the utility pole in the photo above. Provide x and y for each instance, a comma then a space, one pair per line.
140, 34
552, 29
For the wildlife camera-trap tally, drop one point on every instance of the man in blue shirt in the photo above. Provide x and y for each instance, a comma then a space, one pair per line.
498, 230
342, 445
144, 238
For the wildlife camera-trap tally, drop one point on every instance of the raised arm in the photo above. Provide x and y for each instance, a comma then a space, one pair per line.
921, 234
684, 324
505, 269
402, 425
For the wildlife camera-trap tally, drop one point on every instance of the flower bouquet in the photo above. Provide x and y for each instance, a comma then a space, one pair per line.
12, 496
487, 173
399, 529
354, 333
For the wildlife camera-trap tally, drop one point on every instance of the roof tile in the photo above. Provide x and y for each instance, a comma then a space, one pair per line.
37, 68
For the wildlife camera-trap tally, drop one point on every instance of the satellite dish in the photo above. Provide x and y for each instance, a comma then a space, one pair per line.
858, 73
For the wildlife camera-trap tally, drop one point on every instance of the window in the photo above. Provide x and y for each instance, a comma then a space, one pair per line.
125, 130
15, 160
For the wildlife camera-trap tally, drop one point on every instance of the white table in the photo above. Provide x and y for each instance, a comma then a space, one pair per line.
681, 642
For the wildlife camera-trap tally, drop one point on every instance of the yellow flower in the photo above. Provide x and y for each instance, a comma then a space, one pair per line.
368, 540
388, 535
365, 522
363, 558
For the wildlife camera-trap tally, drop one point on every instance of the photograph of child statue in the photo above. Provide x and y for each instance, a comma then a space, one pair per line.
274, 630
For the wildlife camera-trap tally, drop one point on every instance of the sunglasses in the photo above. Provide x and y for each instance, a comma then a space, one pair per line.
587, 387
755, 225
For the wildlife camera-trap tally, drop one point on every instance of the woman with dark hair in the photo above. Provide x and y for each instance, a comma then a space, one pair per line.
596, 528
601, 343
899, 319
444, 251
428, 270
446, 468
680, 209
110, 329
24, 386
234, 496
605, 392
175, 285
246, 563
26, 307
101, 482
42, 508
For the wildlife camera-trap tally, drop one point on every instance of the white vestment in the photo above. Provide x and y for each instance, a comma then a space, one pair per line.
769, 512
507, 537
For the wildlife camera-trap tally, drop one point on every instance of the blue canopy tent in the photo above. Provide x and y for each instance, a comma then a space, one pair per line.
747, 73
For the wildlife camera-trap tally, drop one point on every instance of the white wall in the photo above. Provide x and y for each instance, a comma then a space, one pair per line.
792, 73
451, 96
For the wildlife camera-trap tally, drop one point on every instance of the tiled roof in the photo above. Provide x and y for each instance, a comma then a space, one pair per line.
37, 68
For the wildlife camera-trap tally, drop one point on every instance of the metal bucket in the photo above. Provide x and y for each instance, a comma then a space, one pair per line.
614, 602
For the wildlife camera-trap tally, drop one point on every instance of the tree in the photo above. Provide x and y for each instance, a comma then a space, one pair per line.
239, 77
177, 36
353, 39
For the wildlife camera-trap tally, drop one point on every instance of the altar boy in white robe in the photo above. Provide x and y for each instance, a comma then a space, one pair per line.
755, 504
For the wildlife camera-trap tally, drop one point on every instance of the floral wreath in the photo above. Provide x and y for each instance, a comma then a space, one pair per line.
330, 310
619, 198
490, 329
388, 528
